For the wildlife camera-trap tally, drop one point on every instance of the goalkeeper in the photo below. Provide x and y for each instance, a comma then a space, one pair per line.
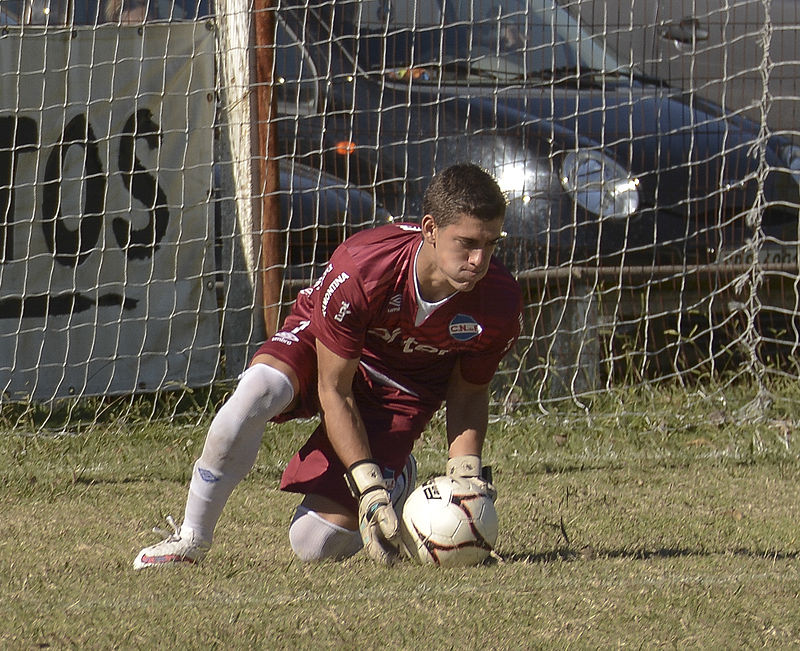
404, 317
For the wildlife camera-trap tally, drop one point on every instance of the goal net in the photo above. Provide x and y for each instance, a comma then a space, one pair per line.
172, 172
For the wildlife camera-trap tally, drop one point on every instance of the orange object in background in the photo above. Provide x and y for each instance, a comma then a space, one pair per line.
345, 147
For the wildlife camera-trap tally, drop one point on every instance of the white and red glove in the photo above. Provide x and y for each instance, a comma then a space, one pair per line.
377, 521
469, 467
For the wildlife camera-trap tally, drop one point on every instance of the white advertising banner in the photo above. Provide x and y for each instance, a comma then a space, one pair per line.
106, 228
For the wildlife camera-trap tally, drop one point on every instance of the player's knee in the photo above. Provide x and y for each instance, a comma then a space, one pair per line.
315, 539
262, 394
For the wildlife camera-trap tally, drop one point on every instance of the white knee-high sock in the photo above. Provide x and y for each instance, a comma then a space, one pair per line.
232, 444
315, 539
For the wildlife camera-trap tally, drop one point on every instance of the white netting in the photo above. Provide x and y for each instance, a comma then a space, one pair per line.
647, 149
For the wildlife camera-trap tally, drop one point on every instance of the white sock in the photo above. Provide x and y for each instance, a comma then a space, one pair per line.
313, 538
232, 444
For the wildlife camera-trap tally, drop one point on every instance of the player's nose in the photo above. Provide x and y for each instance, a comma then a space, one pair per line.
477, 257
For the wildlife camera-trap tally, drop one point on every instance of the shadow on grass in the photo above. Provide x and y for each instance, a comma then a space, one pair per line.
565, 554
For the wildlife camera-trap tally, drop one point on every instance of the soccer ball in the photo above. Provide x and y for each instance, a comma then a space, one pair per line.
446, 522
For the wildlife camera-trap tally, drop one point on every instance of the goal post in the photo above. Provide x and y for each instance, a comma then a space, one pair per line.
239, 195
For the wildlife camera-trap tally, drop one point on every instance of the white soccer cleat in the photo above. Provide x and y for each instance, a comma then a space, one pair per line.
181, 546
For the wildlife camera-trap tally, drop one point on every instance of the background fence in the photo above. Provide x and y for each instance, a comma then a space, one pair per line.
171, 174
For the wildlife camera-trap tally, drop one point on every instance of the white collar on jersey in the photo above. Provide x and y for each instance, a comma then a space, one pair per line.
425, 308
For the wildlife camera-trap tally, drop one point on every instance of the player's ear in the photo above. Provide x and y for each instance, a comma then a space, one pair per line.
429, 230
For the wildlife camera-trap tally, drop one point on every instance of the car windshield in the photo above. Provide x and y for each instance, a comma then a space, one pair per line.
92, 12
470, 39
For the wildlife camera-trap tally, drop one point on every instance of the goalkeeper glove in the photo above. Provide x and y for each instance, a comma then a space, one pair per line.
469, 467
377, 521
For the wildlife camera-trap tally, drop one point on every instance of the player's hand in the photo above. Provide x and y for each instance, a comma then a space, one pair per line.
469, 467
377, 521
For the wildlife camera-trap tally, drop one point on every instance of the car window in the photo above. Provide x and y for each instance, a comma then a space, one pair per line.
508, 39
535, 39
45, 12
139, 11
93, 12
11, 12
387, 12
295, 74
713, 48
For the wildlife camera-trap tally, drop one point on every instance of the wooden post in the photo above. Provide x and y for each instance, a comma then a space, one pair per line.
269, 177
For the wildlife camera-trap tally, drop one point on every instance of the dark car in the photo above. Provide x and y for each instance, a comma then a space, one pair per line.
714, 47
317, 211
602, 165
93, 12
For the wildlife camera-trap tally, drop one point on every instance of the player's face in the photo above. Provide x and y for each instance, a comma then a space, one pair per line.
462, 251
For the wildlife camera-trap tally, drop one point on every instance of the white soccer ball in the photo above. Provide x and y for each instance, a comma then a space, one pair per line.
446, 522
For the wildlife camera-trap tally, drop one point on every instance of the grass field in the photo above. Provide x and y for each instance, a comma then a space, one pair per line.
657, 519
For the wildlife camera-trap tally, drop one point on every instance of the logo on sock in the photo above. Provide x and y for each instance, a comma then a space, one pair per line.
207, 475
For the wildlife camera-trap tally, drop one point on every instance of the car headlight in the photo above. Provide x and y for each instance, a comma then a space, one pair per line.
511, 178
791, 158
599, 184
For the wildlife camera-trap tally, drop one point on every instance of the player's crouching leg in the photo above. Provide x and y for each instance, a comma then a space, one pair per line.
313, 538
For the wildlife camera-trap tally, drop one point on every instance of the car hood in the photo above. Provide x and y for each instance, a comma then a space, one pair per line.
646, 127
688, 157
690, 160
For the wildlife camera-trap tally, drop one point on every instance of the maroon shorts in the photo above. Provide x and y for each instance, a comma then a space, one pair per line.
295, 346
393, 419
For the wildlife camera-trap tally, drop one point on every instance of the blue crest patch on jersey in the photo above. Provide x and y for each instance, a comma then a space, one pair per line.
463, 327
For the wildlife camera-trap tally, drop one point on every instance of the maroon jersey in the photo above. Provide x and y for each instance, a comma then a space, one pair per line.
365, 305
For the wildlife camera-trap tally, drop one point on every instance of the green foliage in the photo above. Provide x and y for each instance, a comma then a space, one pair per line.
657, 516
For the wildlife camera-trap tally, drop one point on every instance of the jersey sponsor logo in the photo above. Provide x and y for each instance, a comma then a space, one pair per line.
395, 303
335, 284
344, 310
410, 227
463, 327
321, 279
307, 291
407, 344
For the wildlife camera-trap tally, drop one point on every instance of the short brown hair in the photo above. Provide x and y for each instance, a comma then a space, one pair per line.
463, 189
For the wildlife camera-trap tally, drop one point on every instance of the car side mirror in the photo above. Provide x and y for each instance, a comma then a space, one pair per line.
687, 30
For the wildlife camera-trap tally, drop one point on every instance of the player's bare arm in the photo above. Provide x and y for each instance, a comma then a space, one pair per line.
467, 407
377, 521
467, 421
340, 414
